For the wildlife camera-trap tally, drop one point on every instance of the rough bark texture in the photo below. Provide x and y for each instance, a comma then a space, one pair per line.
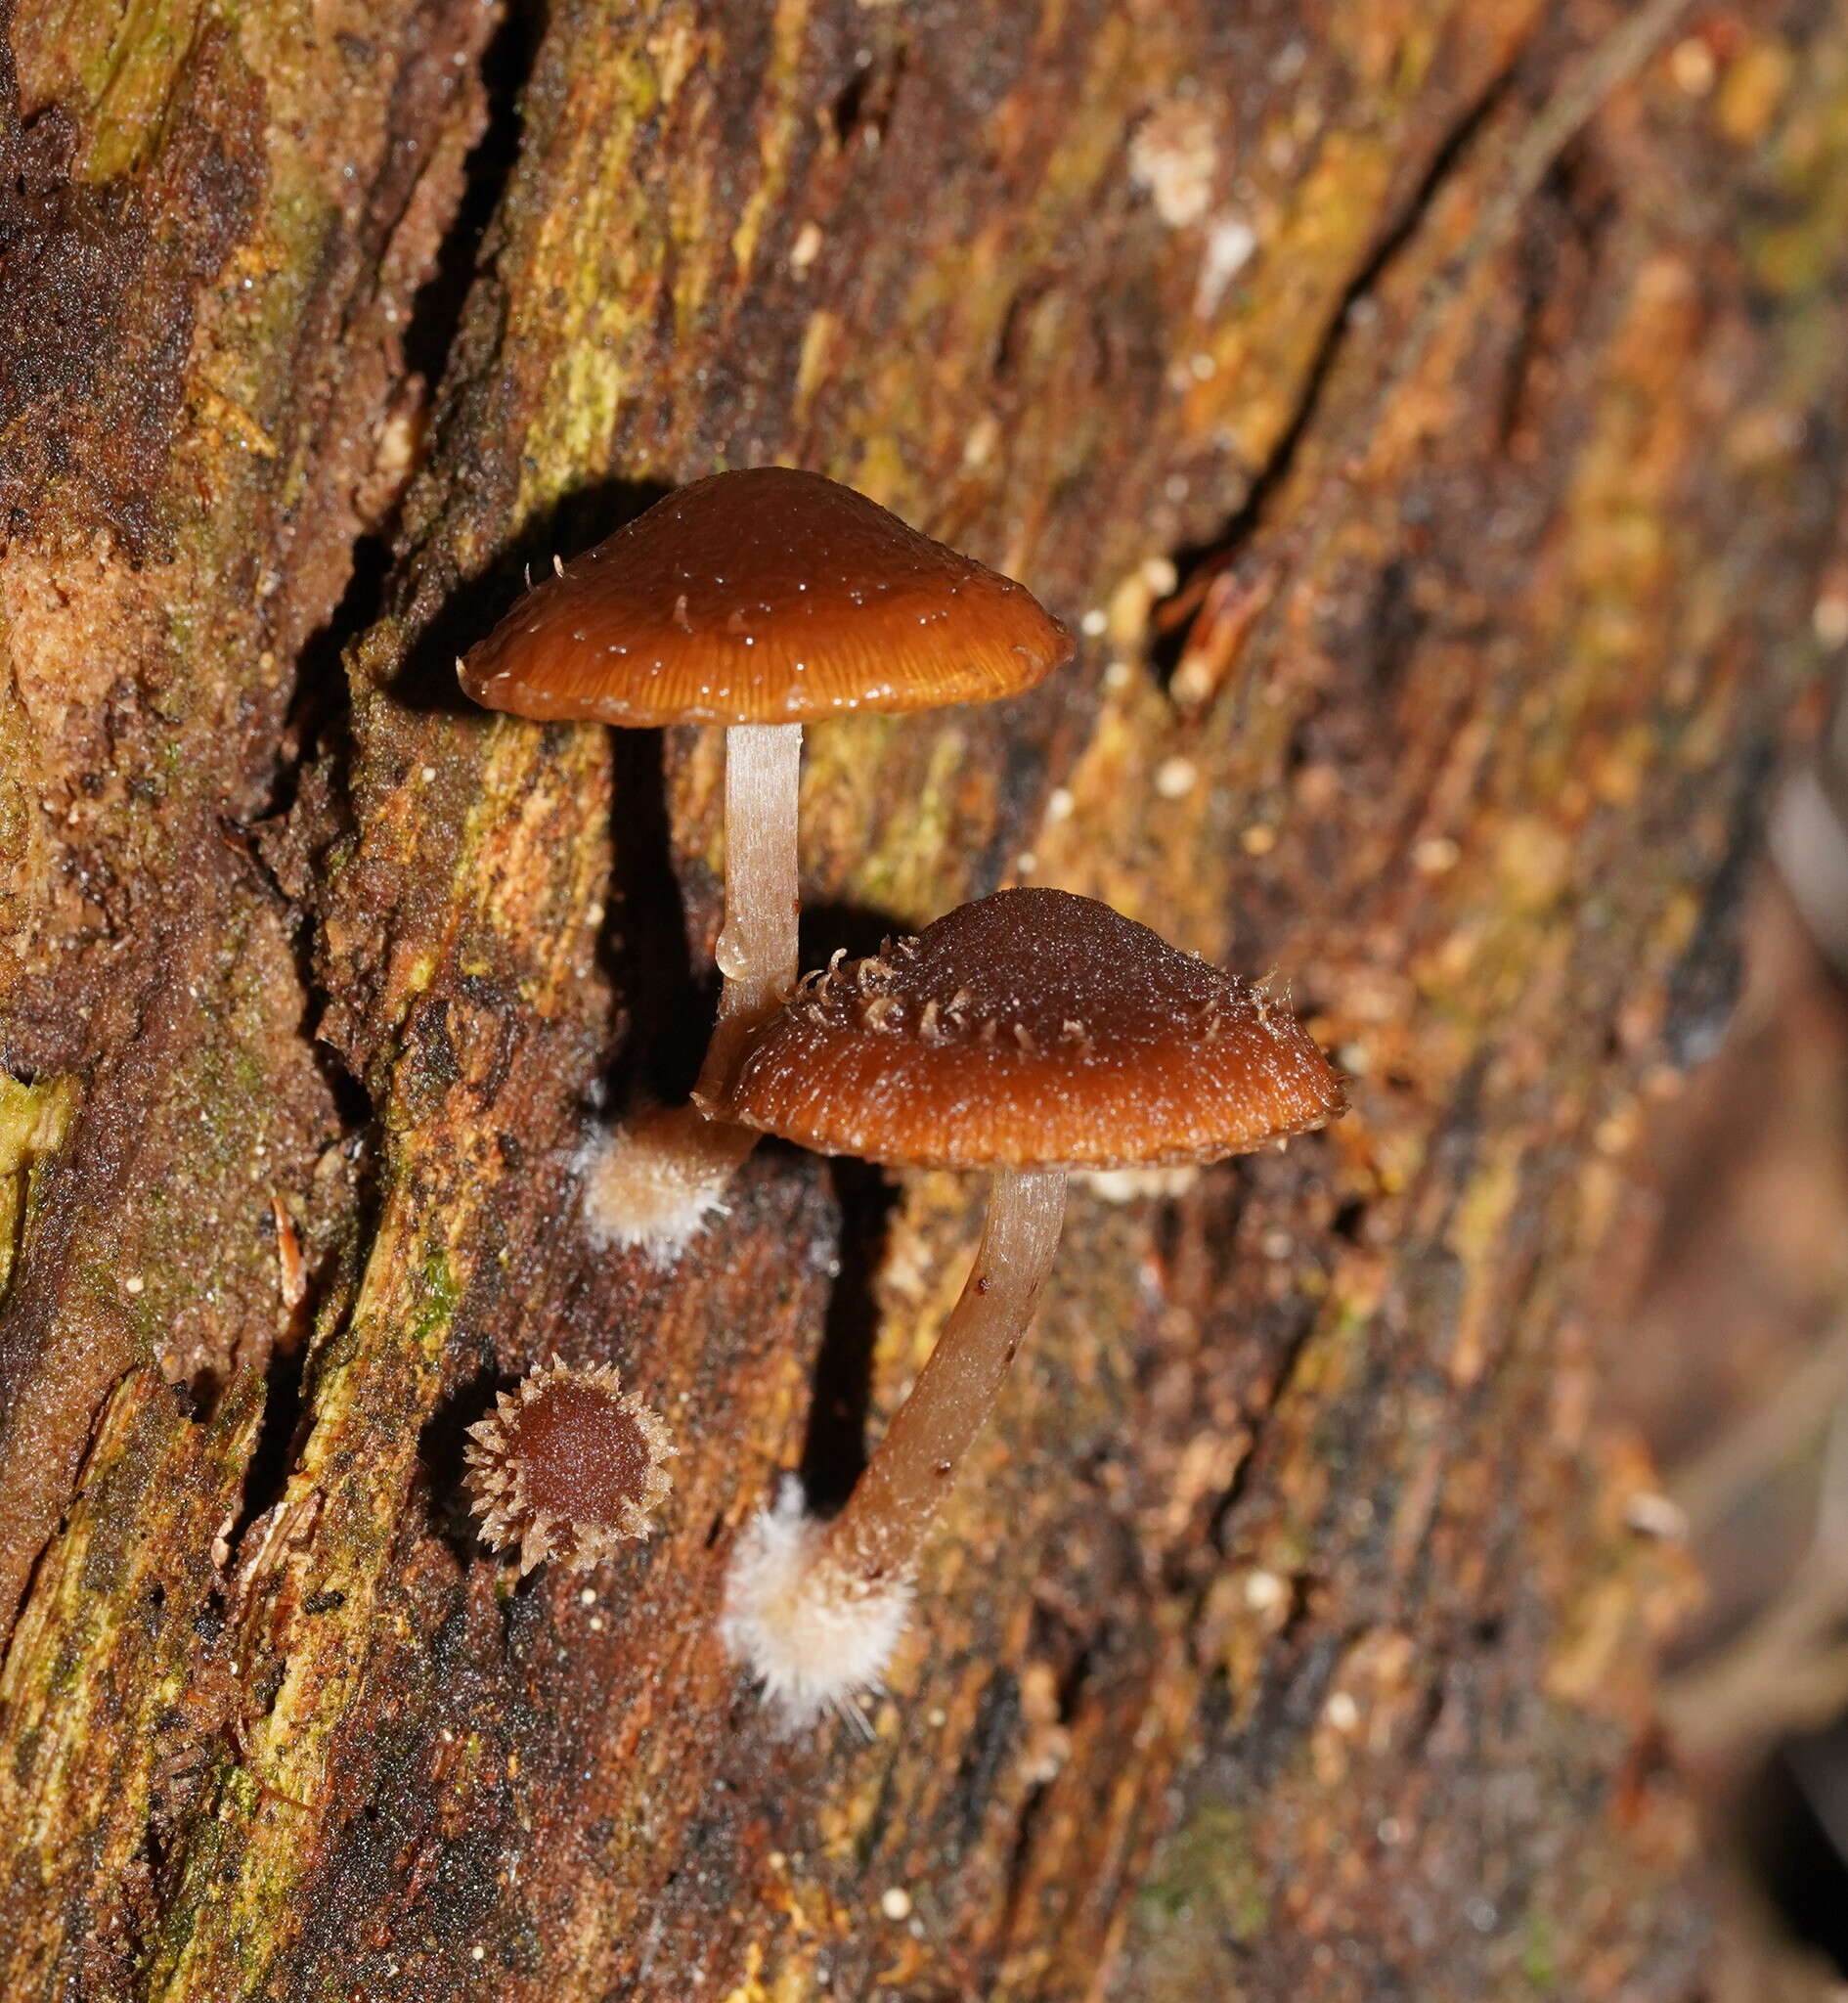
1287, 1638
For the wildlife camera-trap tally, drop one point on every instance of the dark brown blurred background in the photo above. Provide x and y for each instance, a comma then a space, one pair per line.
1728, 1344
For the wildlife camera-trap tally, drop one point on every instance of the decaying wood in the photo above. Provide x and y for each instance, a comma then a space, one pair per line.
1289, 1637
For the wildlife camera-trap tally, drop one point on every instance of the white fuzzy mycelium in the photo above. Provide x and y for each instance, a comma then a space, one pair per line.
655, 1181
815, 1634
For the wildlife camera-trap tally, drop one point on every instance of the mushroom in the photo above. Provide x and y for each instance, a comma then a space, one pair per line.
1028, 1034
567, 1466
761, 600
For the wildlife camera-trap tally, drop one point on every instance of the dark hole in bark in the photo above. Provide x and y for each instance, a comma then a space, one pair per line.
1793, 1824
440, 1449
1704, 988
436, 313
270, 1460
865, 102
1393, 627
318, 716
1347, 1220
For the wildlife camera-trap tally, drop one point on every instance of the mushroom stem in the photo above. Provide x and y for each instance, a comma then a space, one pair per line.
657, 1180
758, 953
877, 1537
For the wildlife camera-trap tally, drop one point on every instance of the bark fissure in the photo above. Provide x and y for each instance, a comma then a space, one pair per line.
1449, 161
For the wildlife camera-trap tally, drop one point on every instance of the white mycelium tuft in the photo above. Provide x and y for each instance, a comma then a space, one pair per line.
656, 1180
815, 1634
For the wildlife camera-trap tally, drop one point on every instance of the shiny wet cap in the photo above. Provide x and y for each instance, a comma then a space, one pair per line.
763, 596
1032, 1028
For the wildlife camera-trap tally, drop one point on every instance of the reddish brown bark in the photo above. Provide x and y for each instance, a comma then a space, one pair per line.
1288, 1638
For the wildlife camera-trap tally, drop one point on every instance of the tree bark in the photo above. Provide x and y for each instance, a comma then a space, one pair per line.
1477, 375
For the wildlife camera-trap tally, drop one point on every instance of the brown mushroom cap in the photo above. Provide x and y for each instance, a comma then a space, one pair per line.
763, 596
1032, 1028
567, 1466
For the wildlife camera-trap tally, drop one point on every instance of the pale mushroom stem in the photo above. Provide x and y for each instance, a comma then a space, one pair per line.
877, 1537
758, 953
663, 1173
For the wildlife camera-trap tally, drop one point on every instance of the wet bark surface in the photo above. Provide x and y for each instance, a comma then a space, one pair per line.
1431, 414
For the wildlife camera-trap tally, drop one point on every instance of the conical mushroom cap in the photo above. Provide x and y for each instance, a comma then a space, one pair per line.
1032, 1028
764, 597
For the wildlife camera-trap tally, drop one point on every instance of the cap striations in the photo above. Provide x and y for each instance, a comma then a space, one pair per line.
1032, 1028
766, 596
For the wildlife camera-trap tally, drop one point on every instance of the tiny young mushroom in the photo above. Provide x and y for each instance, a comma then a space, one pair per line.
1028, 1034
567, 1466
761, 600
